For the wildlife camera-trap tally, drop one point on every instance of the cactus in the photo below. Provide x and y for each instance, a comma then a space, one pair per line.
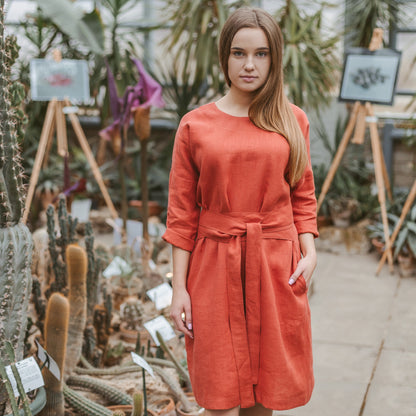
57, 245
132, 313
76, 259
137, 404
114, 395
181, 370
56, 333
93, 272
83, 405
118, 413
174, 387
15, 238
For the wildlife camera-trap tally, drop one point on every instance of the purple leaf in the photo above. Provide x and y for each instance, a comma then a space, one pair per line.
151, 90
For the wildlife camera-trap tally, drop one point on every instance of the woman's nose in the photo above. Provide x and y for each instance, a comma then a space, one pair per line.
248, 65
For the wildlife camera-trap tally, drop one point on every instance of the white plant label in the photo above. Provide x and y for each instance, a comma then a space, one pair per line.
161, 295
116, 268
50, 363
162, 325
30, 375
141, 362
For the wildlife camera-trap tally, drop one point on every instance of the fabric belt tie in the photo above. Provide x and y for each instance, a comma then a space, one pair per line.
244, 324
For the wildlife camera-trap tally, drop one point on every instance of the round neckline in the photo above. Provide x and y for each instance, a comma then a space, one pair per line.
228, 114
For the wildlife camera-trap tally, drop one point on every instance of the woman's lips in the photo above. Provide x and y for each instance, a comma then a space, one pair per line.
247, 78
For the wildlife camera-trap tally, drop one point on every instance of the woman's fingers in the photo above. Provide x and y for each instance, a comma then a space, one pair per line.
182, 323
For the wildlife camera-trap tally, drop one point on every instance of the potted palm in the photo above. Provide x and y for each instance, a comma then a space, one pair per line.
405, 244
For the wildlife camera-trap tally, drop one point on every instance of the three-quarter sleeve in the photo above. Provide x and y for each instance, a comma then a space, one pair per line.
303, 195
183, 210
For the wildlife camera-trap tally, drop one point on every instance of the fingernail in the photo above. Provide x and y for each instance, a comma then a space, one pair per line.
190, 326
291, 281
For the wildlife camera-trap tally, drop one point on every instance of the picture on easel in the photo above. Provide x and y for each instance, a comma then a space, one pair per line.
370, 76
66, 78
53, 81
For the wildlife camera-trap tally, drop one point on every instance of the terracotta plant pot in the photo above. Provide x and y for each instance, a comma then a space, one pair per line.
378, 245
180, 412
407, 266
154, 208
128, 409
164, 407
130, 335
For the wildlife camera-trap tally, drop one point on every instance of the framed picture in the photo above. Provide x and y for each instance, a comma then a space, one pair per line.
67, 78
370, 76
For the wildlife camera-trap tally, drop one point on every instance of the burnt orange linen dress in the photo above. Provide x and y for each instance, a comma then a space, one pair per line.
231, 207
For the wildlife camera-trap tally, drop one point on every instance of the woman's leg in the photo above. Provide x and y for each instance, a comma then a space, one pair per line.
228, 412
257, 410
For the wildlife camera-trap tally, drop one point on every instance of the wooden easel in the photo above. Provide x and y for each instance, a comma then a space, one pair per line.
361, 116
406, 207
55, 121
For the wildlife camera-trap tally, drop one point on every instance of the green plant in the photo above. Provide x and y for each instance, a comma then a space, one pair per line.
57, 245
115, 396
364, 16
310, 62
56, 336
353, 179
84, 406
15, 238
76, 259
137, 404
405, 243
183, 373
132, 313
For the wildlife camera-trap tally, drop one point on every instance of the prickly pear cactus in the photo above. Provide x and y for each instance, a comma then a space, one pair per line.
15, 238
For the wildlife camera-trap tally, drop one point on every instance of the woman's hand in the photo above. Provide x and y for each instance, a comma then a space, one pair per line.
181, 306
307, 263
305, 267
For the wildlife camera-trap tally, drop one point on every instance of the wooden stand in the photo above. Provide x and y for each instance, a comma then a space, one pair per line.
406, 207
360, 116
55, 121
363, 114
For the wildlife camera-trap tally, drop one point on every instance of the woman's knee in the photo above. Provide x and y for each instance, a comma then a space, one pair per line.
227, 412
257, 410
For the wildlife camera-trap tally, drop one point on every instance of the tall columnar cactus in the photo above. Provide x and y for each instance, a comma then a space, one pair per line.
76, 259
57, 244
56, 334
15, 238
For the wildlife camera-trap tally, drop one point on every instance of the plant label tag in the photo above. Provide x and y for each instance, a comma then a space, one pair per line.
162, 325
152, 265
141, 362
49, 362
80, 208
161, 295
117, 267
30, 375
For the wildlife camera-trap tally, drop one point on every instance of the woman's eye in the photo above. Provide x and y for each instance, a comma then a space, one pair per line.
262, 54
238, 53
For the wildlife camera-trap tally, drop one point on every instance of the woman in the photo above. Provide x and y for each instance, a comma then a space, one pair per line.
241, 211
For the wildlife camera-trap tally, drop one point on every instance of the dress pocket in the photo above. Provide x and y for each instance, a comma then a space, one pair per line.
300, 287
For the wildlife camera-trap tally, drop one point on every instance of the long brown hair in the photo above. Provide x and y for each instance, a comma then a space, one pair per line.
270, 109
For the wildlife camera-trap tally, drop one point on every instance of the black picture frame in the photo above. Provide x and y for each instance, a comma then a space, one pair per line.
370, 76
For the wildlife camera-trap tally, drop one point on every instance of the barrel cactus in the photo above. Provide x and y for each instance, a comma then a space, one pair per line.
15, 238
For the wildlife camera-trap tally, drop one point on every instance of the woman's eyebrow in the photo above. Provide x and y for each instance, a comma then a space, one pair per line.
261, 48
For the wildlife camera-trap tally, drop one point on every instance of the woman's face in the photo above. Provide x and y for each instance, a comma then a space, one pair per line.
249, 60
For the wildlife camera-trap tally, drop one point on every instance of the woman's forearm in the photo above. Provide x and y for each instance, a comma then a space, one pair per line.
307, 244
180, 260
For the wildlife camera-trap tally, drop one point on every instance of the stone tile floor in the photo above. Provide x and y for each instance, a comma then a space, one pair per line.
364, 338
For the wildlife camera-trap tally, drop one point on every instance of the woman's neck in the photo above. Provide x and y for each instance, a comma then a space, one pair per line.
235, 103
